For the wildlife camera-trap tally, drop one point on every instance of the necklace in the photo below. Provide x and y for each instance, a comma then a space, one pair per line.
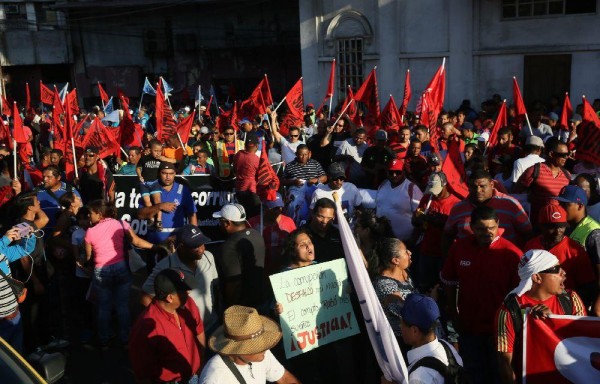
249, 365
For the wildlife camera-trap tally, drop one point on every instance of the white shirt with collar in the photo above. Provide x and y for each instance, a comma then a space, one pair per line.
522, 164
423, 375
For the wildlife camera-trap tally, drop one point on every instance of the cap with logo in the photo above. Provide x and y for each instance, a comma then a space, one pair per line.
170, 281
191, 236
396, 165
434, 158
166, 165
437, 182
552, 214
232, 212
572, 194
277, 203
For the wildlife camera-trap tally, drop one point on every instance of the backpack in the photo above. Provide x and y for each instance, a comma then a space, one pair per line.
453, 373
538, 166
565, 300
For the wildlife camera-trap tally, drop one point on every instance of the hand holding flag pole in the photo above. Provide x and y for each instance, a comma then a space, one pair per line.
344, 111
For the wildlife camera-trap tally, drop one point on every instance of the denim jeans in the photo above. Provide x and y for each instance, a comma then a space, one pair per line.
12, 332
113, 286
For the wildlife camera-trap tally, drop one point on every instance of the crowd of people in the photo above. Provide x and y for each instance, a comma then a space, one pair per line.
452, 270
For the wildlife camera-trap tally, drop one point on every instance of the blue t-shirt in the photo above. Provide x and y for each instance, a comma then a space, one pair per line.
50, 205
20, 249
181, 195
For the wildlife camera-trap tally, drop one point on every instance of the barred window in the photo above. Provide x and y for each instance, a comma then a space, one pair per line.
350, 64
534, 8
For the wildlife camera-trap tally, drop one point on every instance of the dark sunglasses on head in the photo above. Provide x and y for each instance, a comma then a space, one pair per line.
563, 155
554, 270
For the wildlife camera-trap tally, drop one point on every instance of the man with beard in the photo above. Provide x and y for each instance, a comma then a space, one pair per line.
483, 259
571, 255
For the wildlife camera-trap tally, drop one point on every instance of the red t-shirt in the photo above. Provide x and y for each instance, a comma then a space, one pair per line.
275, 236
572, 258
545, 187
245, 166
160, 350
438, 213
485, 275
505, 337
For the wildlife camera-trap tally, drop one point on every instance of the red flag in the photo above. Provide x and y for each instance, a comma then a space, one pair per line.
103, 94
5, 135
46, 94
407, 94
589, 114
165, 123
267, 98
561, 350
368, 94
518, 99
27, 98
351, 111
71, 99
56, 102
130, 133
454, 169
588, 145
331, 83
501, 121
185, 126
295, 102
122, 95
6, 109
432, 100
18, 132
255, 104
390, 117
267, 182
99, 136
207, 112
567, 112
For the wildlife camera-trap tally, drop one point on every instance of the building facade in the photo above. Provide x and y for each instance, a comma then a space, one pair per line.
551, 46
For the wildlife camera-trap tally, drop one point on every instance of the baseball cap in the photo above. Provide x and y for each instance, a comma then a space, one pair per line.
467, 126
244, 121
381, 135
534, 140
552, 116
94, 150
576, 117
420, 310
310, 106
191, 236
204, 130
552, 214
434, 158
396, 165
252, 139
277, 203
437, 182
335, 171
485, 136
170, 281
572, 194
232, 212
166, 165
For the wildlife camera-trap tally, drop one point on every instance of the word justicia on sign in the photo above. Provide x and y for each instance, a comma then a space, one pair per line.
308, 338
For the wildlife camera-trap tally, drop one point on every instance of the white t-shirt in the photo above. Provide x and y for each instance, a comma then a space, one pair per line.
288, 150
398, 205
349, 148
423, 375
349, 196
216, 372
204, 289
522, 164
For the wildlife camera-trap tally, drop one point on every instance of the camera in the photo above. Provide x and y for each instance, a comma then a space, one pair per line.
25, 230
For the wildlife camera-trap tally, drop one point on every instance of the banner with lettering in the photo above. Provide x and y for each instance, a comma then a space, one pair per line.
316, 306
208, 199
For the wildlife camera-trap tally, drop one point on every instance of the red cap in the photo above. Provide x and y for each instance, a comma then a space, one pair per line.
552, 214
396, 165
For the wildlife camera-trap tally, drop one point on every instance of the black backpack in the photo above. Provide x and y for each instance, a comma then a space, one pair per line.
516, 315
453, 373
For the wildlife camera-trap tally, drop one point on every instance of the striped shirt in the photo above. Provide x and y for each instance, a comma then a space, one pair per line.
511, 215
544, 187
312, 169
8, 254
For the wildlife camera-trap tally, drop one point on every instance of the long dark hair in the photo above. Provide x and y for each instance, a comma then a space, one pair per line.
379, 229
289, 248
107, 210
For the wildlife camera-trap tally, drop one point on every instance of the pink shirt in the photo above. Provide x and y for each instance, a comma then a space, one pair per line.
106, 239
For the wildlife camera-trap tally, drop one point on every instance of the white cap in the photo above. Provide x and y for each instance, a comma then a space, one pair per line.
231, 212
186, 108
204, 130
533, 261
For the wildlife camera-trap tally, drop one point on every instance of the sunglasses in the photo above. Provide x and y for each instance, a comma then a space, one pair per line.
294, 135
554, 270
90, 155
563, 155
228, 134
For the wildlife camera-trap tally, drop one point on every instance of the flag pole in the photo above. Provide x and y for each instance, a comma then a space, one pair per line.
74, 157
278, 105
141, 98
528, 124
125, 153
15, 158
344, 111
182, 145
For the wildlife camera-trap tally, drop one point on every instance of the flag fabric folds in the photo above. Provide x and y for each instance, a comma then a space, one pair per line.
501, 121
380, 332
454, 169
98, 135
18, 131
6, 107
28, 108
109, 108
567, 112
518, 99
256, 104
46, 94
103, 94
407, 94
368, 95
432, 99
148, 89
184, 127
390, 117
165, 123
167, 88
351, 111
588, 113
267, 182
295, 103
561, 349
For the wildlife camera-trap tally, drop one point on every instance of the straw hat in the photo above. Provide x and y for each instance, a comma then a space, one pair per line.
244, 332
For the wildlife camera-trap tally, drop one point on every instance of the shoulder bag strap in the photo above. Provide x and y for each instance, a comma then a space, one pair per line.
233, 369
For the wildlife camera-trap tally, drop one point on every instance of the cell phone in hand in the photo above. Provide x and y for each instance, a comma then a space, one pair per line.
24, 229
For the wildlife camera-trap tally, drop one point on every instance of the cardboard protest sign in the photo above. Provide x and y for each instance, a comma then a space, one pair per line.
316, 306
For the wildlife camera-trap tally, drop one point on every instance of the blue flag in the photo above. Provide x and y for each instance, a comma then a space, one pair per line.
167, 88
63, 92
198, 99
108, 108
148, 89
214, 96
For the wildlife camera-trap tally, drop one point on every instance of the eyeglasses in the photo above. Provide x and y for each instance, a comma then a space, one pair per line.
228, 134
90, 155
563, 155
294, 135
340, 125
554, 270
